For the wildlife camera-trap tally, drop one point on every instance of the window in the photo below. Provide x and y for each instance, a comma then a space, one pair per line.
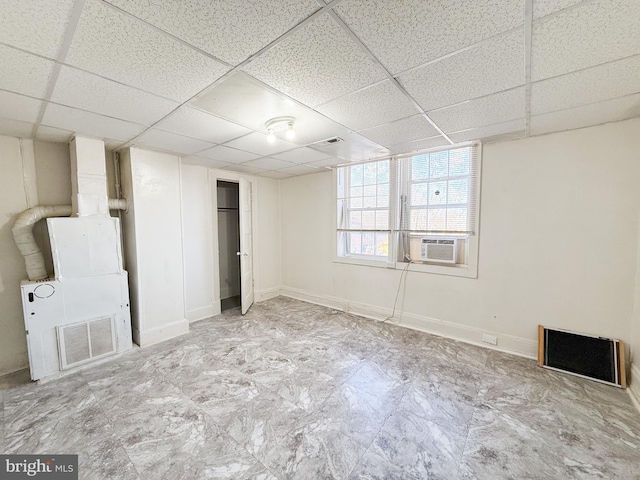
386, 208
364, 210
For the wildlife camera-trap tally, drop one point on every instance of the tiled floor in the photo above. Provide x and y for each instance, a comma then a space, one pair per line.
294, 390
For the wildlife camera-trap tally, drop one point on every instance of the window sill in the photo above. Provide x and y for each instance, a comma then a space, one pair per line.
465, 271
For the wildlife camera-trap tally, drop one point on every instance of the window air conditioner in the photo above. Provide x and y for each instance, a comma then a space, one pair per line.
438, 249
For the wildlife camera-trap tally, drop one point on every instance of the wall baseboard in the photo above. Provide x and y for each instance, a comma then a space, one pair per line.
201, 313
266, 294
523, 347
161, 333
634, 386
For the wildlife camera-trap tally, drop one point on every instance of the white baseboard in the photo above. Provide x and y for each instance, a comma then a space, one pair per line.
634, 385
201, 313
160, 334
266, 294
523, 347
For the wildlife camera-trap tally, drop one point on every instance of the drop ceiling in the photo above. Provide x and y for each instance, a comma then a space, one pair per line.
200, 79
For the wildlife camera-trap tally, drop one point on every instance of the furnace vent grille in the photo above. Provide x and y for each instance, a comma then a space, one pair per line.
83, 342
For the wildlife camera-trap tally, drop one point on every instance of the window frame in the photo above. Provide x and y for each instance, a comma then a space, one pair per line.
468, 270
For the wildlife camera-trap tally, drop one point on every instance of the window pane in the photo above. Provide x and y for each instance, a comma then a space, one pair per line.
383, 189
368, 243
382, 219
439, 164
369, 202
383, 171
369, 191
418, 194
458, 191
418, 219
369, 220
420, 167
370, 173
383, 201
382, 244
457, 219
355, 243
356, 175
356, 192
355, 220
459, 162
356, 202
438, 193
437, 219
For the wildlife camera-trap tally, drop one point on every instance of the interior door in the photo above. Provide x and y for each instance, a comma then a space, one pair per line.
246, 246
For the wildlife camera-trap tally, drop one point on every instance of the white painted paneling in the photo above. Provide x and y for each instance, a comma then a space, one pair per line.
371, 106
85, 91
197, 124
593, 33
115, 46
24, 73
493, 66
151, 181
88, 123
224, 29
197, 242
592, 85
541, 200
497, 108
34, 25
404, 34
267, 239
315, 64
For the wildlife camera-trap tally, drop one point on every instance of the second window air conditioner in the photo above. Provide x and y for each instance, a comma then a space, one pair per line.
439, 250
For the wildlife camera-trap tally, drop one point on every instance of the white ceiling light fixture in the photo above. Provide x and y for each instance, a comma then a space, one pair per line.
280, 124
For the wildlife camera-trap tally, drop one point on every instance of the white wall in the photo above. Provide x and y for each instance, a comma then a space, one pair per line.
154, 252
268, 241
558, 242
197, 231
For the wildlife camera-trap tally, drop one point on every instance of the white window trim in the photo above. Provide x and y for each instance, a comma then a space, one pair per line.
468, 270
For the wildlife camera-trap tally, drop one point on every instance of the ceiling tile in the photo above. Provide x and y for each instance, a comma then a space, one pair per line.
587, 115
229, 30
594, 84
267, 163
315, 64
15, 128
490, 67
34, 25
371, 106
204, 162
24, 73
244, 169
403, 34
301, 155
416, 145
276, 175
300, 170
197, 124
257, 143
400, 131
54, 135
327, 162
91, 124
83, 90
226, 154
353, 148
172, 142
547, 7
19, 107
582, 37
496, 108
511, 129
118, 47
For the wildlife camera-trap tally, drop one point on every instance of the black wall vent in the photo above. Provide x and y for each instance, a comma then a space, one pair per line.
598, 358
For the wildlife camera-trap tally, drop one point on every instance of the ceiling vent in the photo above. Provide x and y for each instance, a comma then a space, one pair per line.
327, 143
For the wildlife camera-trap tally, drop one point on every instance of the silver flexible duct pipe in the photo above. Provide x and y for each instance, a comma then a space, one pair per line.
26, 242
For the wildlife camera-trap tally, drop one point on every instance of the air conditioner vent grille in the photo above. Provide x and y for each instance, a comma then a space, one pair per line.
81, 342
439, 250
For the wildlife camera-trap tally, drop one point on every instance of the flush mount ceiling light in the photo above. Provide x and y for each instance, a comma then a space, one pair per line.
280, 124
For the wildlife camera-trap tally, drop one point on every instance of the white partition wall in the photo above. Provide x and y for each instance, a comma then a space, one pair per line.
153, 244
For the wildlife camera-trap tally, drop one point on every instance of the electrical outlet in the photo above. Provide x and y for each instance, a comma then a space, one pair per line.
492, 339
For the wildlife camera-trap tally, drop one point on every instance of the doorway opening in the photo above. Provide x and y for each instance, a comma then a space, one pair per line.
228, 194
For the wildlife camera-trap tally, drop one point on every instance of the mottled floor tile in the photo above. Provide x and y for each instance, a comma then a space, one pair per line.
419, 447
373, 378
306, 389
259, 472
464, 354
374, 467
